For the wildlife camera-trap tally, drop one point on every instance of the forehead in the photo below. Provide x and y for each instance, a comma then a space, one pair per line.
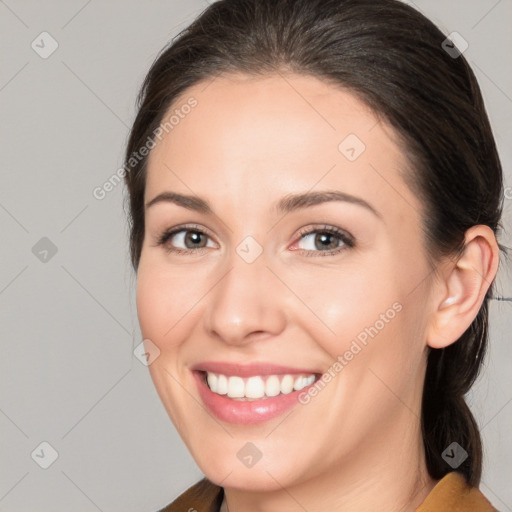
276, 134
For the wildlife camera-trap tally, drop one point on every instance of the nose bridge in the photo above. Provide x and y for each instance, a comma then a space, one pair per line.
240, 303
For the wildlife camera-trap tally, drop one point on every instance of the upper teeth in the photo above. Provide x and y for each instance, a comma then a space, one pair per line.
257, 387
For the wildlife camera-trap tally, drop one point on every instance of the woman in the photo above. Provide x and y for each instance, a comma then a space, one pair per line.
315, 195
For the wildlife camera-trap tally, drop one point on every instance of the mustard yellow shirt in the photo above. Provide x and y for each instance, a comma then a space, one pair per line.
451, 494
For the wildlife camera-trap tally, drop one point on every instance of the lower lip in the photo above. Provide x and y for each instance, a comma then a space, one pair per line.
245, 412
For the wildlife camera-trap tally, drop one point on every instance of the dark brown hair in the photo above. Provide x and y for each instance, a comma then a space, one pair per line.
392, 57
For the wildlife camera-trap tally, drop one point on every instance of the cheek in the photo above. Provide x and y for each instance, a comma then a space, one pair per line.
152, 304
342, 301
366, 318
166, 303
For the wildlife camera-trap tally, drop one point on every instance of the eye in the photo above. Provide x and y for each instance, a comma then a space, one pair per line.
185, 240
320, 241
325, 241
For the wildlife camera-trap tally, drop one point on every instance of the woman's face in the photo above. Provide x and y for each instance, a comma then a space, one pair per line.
299, 253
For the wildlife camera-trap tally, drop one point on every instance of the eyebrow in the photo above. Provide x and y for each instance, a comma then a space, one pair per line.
287, 204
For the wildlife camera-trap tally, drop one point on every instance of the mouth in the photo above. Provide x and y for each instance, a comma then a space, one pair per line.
257, 387
252, 393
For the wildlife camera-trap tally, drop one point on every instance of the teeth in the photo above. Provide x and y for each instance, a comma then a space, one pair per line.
257, 387
212, 380
287, 384
298, 384
272, 386
222, 385
236, 387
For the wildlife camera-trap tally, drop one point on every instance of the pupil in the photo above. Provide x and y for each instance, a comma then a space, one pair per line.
325, 239
194, 236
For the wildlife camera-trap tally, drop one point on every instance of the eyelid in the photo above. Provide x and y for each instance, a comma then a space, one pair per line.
347, 239
167, 234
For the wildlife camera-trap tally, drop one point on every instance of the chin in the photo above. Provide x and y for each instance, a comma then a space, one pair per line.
251, 479
224, 467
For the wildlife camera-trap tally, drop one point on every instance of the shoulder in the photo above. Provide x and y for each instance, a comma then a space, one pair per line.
453, 492
203, 496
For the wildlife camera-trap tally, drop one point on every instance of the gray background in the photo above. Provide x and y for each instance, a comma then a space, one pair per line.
68, 375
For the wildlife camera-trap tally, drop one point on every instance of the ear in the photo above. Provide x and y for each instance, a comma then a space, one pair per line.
461, 289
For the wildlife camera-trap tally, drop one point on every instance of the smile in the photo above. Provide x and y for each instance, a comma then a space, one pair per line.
256, 387
253, 393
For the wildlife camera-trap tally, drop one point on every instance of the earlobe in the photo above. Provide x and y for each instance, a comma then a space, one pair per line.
462, 288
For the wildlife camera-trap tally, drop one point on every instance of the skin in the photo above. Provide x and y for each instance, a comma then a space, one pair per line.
248, 143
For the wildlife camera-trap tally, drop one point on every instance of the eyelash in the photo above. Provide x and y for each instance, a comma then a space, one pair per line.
343, 236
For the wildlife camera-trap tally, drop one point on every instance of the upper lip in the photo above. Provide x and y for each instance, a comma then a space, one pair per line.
248, 370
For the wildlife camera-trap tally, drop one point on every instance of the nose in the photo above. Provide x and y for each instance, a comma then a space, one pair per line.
246, 304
